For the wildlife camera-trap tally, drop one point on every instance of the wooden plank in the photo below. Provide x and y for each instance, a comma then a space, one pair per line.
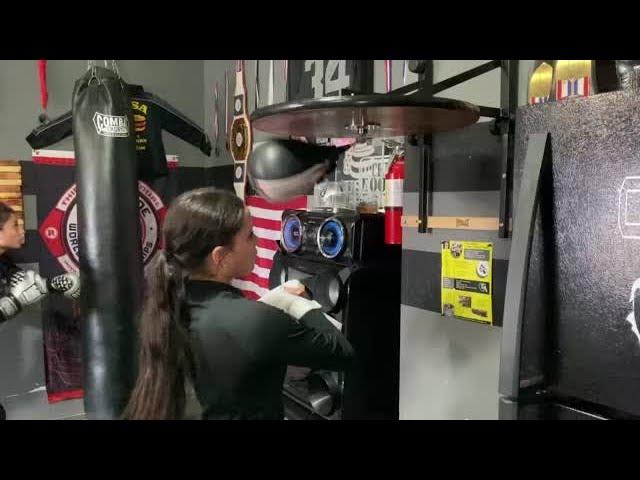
11, 183
454, 223
9, 163
16, 208
10, 169
10, 188
10, 176
10, 195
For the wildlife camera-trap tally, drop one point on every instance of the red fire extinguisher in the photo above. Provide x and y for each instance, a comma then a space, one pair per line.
393, 187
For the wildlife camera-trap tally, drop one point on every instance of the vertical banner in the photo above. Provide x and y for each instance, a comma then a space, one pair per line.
467, 269
52, 176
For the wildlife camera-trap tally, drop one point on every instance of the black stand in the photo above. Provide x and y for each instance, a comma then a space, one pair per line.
504, 125
424, 69
537, 159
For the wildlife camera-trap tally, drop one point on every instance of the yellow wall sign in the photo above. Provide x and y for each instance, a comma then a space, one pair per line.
467, 269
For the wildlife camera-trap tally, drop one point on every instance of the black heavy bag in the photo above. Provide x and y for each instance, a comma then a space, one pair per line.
110, 248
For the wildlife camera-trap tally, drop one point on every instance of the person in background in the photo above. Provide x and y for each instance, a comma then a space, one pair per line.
19, 288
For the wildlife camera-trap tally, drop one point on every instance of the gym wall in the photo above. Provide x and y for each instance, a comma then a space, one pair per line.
22, 376
449, 367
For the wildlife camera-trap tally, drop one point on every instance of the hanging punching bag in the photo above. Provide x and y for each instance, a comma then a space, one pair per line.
282, 169
110, 249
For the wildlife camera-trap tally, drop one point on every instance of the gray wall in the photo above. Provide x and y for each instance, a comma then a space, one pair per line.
449, 367
483, 90
179, 82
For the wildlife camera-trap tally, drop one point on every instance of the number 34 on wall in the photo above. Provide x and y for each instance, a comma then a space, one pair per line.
329, 79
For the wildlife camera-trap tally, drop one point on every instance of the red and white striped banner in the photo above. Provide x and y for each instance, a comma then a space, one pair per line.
67, 158
267, 218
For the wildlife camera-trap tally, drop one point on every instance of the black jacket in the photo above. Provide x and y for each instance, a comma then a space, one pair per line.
242, 349
151, 115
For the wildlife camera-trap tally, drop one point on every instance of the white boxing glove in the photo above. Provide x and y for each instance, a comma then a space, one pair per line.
293, 305
25, 288
68, 284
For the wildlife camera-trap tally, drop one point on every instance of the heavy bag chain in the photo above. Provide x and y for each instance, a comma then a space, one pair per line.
91, 65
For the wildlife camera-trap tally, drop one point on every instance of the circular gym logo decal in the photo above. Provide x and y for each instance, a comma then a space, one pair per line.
60, 229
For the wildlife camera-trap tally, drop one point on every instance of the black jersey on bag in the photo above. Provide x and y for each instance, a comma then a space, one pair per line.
151, 115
